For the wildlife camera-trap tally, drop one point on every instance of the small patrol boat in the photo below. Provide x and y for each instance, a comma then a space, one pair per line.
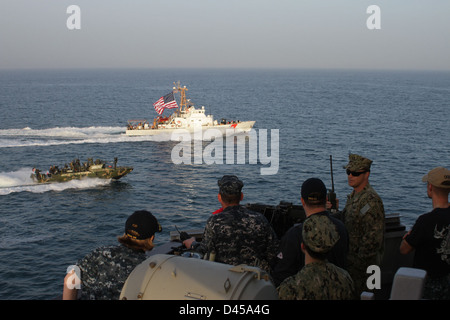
186, 117
78, 170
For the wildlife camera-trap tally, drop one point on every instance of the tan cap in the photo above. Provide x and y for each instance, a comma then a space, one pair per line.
438, 177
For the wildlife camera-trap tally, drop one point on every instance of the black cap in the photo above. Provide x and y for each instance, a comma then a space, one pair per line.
230, 184
142, 225
314, 191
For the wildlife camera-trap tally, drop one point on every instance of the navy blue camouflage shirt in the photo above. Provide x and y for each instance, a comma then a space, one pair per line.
105, 270
240, 236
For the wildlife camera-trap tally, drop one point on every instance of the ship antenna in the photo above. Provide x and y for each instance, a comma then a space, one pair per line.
182, 91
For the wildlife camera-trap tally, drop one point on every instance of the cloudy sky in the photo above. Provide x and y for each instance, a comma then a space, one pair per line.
414, 34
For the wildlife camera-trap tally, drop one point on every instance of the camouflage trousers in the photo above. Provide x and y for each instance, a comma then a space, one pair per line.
437, 288
357, 268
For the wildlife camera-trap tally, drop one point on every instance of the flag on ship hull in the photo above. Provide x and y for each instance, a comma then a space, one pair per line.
165, 102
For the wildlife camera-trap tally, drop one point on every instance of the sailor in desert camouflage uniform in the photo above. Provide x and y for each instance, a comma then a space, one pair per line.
318, 279
237, 235
363, 217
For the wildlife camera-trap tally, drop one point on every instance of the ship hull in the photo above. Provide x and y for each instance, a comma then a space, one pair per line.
106, 173
240, 127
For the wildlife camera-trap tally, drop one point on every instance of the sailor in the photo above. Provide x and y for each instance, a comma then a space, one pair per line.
318, 279
429, 238
105, 270
237, 235
37, 172
290, 256
363, 217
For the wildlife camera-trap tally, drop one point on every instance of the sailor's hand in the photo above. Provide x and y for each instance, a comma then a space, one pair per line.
188, 242
406, 234
329, 204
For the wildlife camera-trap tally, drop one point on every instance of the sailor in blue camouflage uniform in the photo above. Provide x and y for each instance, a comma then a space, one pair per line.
318, 279
237, 235
105, 270
363, 217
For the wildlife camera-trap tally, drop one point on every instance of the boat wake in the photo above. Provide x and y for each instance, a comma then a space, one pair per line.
27, 137
20, 181
64, 132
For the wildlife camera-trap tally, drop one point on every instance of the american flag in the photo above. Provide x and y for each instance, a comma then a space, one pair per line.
168, 101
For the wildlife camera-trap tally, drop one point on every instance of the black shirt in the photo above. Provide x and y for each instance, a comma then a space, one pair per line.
430, 237
291, 259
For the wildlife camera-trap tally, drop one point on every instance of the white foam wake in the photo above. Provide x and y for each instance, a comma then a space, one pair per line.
27, 137
20, 181
64, 132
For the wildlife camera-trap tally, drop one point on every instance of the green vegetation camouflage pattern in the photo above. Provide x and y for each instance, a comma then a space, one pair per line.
319, 233
363, 217
358, 163
106, 173
240, 236
318, 281
105, 270
437, 288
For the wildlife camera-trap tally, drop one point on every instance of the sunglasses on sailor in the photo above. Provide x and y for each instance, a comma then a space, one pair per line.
355, 174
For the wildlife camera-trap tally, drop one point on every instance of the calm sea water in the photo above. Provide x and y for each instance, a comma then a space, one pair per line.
398, 119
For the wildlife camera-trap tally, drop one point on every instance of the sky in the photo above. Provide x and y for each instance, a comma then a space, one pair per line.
293, 34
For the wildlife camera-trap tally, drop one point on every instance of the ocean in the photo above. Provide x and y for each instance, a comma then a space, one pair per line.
399, 119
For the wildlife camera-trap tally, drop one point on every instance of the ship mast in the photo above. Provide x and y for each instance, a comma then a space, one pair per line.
182, 91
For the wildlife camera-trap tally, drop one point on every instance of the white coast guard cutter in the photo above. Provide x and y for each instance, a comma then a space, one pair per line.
186, 117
